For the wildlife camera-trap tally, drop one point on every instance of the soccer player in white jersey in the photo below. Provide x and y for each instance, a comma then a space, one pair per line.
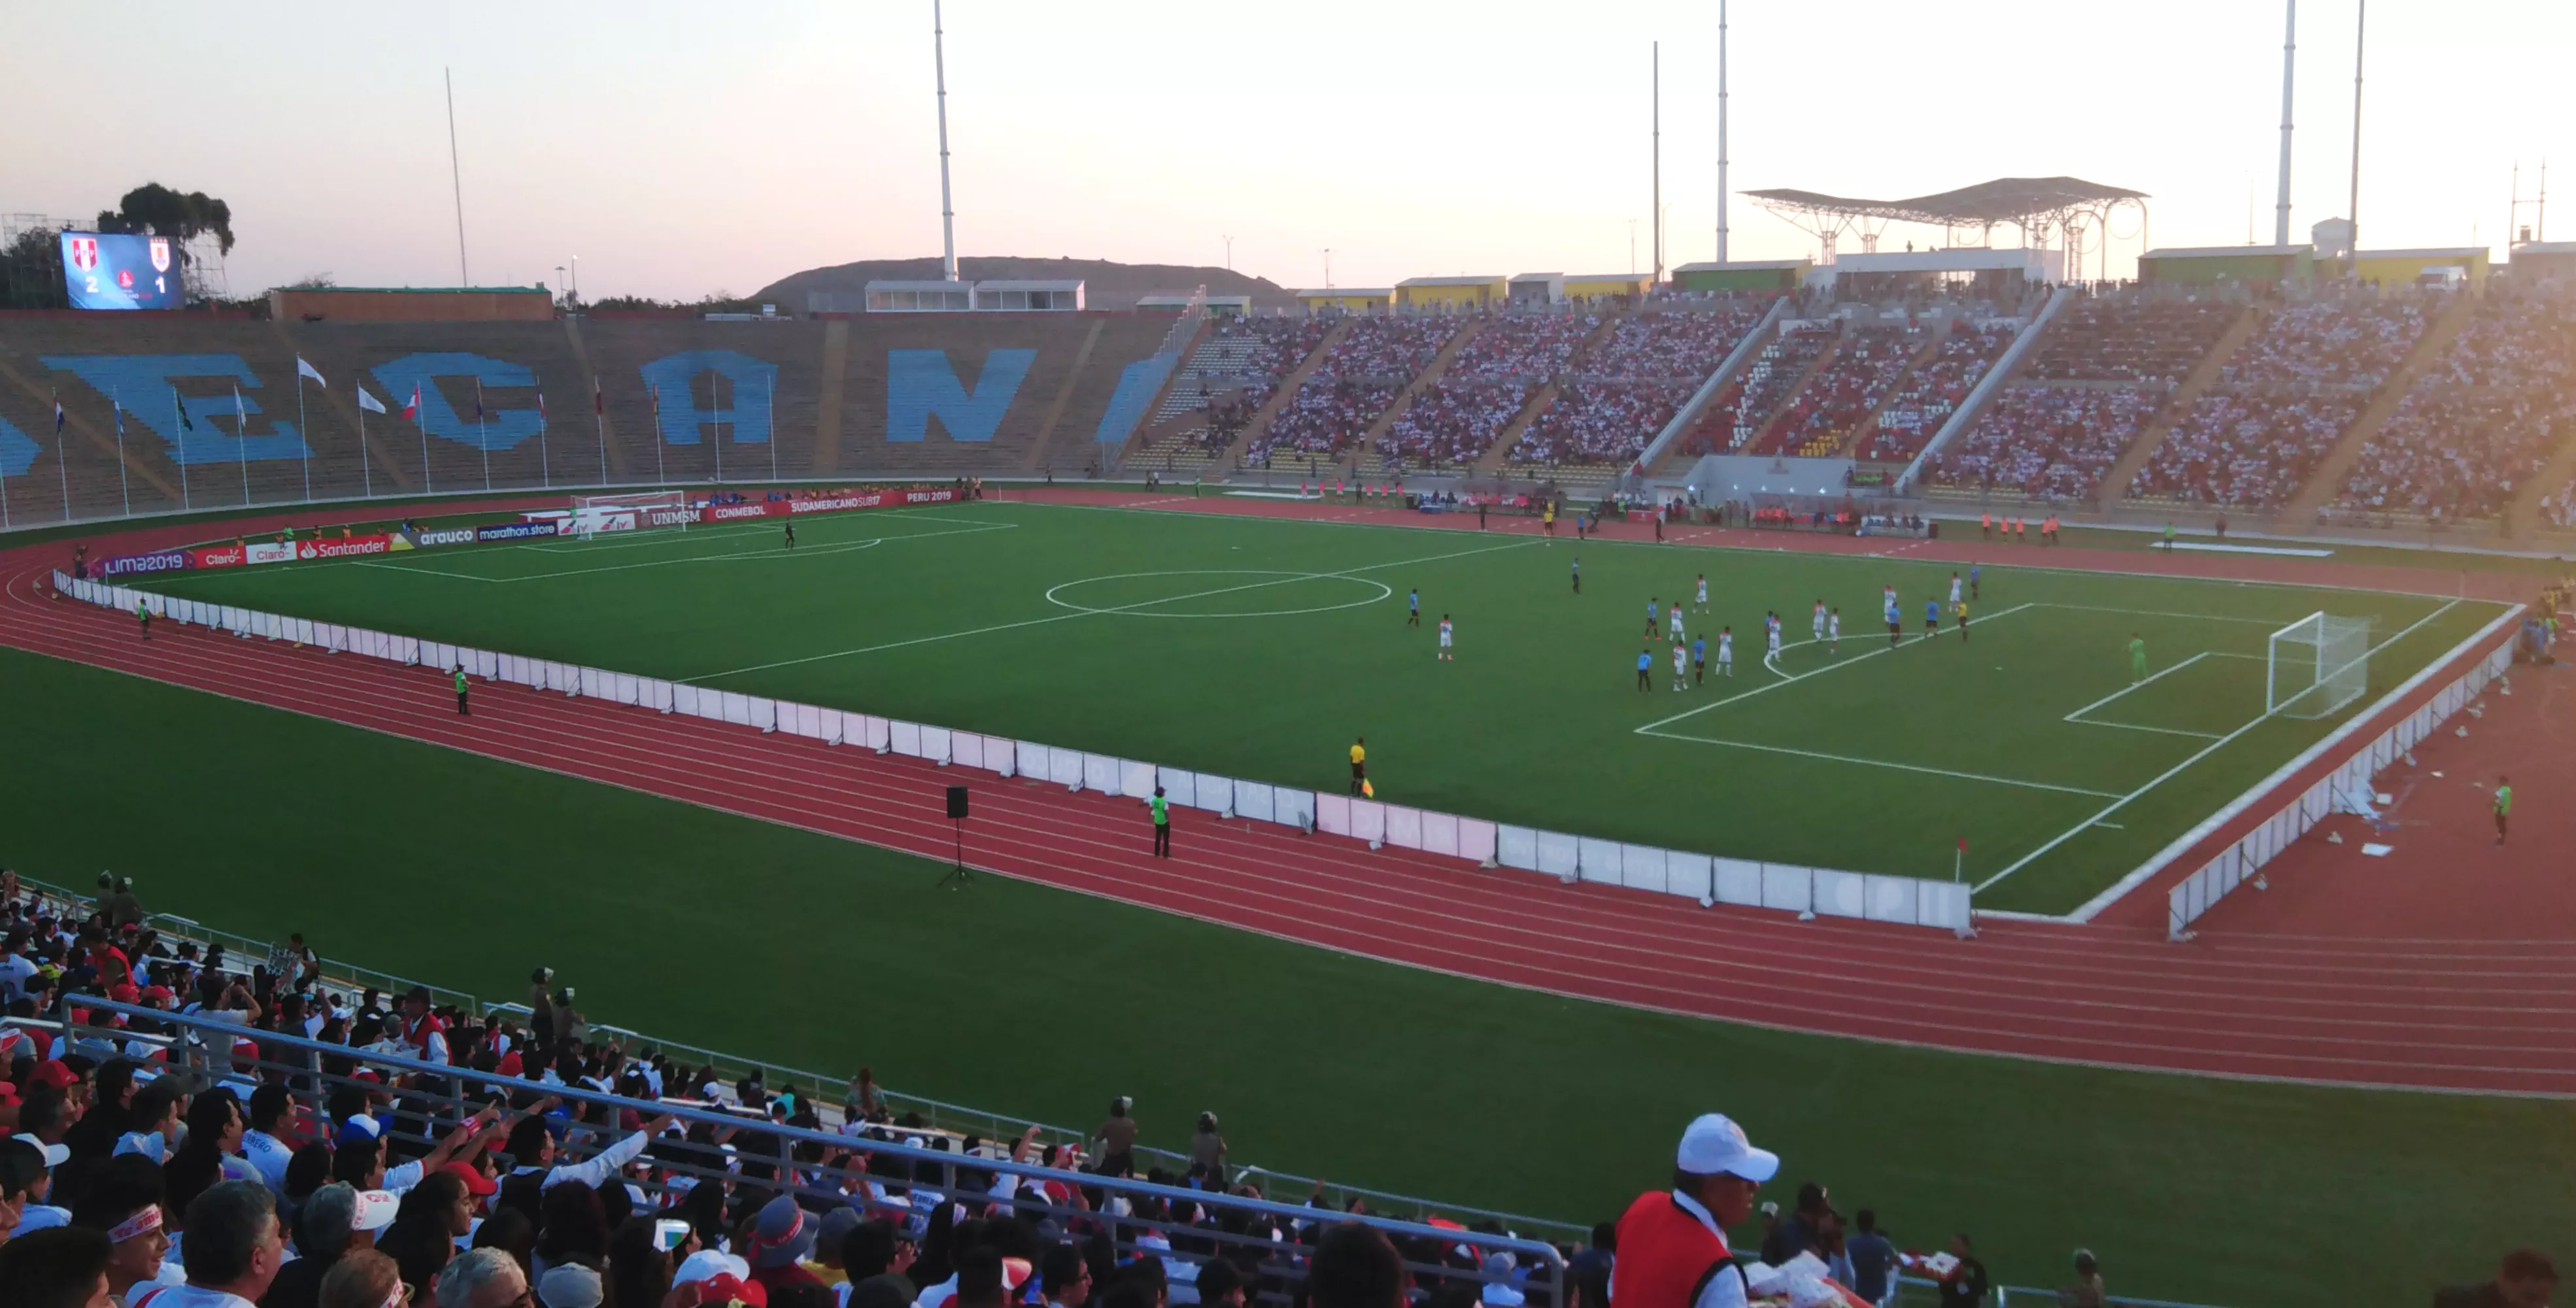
1774, 651
1834, 632
1676, 614
1444, 639
1954, 588
1726, 651
1681, 665
1703, 592
1818, 631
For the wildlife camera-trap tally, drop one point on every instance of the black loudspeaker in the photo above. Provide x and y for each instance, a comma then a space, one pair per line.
957, 802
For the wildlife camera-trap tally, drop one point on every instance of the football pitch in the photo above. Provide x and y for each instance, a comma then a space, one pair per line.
1262, 647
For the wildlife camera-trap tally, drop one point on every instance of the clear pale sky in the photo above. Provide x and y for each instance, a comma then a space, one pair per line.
682, 149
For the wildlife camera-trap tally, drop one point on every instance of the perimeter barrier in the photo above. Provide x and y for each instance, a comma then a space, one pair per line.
2243, 858
1807, 891
873, 1168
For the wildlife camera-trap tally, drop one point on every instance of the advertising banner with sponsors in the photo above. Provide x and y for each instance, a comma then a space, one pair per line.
347, 548
667, 517
272, 551
829, 504
515, 531
219, 556
426, 539
137, 564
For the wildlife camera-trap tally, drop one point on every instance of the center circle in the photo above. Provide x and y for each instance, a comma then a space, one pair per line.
1218, 584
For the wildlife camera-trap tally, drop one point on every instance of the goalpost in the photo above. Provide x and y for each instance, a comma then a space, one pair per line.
2316, 666
597, 513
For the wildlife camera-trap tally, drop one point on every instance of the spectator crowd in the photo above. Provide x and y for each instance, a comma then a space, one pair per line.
1358, 378
2482, 419
1863, 370
1934, 390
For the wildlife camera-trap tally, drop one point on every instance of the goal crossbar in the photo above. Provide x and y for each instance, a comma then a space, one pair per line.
2316, 666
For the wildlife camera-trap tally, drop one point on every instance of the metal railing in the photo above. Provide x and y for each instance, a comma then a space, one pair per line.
868, 1167
825, 1092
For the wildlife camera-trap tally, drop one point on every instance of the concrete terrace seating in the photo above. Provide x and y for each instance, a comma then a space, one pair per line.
2046, 442
1530, 347
2249, 448
1453, 423
1600, 423
2482, 419
1748, 402
1935, 389
2285, 397
1248, 357
1624, 392
1353, 385
2129, 338
936, 394
1843, 392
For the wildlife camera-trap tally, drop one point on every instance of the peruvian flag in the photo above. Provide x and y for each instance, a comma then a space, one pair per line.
411, 409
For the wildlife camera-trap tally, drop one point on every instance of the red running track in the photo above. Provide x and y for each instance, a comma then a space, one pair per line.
2463, 1015
2470, 1015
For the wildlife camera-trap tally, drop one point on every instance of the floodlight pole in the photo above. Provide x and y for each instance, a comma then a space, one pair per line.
1721, 131
1655, 81
2352, 206
456, 180
2289, 64
947, 213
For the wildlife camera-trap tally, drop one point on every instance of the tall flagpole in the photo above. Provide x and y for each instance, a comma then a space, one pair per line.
303, 431
241, 443
545, 459
123, 494
773, 426
62, 469
715, 410
482, 434
182, 415
599, 426
420, 419
366, 469
1656, 82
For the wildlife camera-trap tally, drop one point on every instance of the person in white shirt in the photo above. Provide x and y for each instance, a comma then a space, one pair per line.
233, 1251
1726, 651
270, 1106
1834, 631
534, 1147
1703, 592
1819, 630
16, 969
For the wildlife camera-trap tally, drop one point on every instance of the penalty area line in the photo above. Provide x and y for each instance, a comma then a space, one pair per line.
1883, 763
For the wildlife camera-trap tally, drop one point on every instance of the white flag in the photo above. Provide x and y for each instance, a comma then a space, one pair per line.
303, 369
368, 402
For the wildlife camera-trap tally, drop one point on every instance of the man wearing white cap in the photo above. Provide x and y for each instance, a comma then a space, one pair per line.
1672, 1243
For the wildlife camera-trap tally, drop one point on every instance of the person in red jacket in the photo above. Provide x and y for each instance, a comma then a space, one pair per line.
1672, 1243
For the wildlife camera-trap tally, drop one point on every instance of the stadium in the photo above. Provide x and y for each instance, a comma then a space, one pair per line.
1033, 781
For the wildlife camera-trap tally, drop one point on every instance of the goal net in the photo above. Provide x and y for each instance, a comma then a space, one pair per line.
2316, 666
596, 513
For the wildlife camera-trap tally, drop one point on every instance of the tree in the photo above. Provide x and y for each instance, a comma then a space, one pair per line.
31, 270
157, 210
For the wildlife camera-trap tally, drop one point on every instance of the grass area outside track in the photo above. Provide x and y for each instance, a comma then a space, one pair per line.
1260, 648
782, 944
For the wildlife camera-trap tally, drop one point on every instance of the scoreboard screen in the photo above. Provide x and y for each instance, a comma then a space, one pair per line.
107, 271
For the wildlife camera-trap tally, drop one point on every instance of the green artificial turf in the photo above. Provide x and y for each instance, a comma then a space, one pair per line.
781, 944
1261, 648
